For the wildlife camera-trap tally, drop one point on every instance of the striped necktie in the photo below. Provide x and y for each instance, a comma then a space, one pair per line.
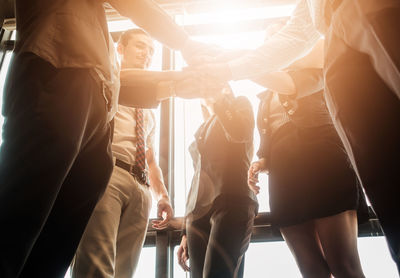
140, 145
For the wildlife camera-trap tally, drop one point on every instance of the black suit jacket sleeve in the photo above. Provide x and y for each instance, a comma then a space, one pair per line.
236, 117
140, 95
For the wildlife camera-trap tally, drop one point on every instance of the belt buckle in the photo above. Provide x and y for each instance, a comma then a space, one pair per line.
140, 176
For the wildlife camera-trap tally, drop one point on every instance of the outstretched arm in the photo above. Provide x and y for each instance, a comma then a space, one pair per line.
145, 89
292, 42
303, 77
149, 16
279, 81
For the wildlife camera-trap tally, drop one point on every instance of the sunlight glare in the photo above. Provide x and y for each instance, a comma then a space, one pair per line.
234, 15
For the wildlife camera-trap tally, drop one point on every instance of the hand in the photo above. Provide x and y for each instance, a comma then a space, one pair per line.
214, 72
183, 254
197, 88
188, 88
165, 212
252, 175
195, 52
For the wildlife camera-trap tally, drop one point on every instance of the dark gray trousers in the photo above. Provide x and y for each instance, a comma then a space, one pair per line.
218, 240
55, 162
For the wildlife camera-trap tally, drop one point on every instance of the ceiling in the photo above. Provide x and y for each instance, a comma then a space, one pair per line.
171, 6
200, 6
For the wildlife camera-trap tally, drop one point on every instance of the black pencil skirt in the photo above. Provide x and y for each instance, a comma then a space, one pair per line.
310, 175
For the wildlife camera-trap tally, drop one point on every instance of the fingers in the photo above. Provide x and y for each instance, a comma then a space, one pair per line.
252, 180
254, 188
252, 177
197, 87
182, 255
255, 168
165, 212
217, 72
195, 52
252, 174
160, 224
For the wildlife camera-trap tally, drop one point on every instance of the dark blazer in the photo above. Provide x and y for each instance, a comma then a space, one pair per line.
221, 153
306, 108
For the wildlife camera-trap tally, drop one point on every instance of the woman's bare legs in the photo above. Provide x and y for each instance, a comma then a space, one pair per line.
303, 242
338, 237
326, 246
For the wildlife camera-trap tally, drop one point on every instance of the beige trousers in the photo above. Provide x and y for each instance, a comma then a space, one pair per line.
114, 236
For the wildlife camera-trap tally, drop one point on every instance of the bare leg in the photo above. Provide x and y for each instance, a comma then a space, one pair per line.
338, 236
304, 244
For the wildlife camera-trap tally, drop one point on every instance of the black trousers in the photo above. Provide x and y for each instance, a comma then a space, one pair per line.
218, 240
362, 73
55, 163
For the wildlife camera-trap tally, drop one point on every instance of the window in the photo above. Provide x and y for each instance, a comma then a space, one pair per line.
3, 74
147, 263
178, 271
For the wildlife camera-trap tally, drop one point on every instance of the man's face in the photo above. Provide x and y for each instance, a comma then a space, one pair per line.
138, 52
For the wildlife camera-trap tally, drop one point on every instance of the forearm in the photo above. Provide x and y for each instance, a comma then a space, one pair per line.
149, 16
280, 82
141, 95
183, 227
289, 44
156, 182
143, 88
130, 77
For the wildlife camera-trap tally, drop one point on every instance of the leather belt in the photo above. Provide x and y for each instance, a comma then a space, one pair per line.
139, 175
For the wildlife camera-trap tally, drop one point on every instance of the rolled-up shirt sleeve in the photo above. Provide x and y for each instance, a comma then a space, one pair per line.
292, 42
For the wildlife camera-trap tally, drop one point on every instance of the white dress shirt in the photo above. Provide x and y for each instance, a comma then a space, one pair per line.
124, 140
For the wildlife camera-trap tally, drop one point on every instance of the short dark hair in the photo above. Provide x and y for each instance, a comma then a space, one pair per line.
126, 36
